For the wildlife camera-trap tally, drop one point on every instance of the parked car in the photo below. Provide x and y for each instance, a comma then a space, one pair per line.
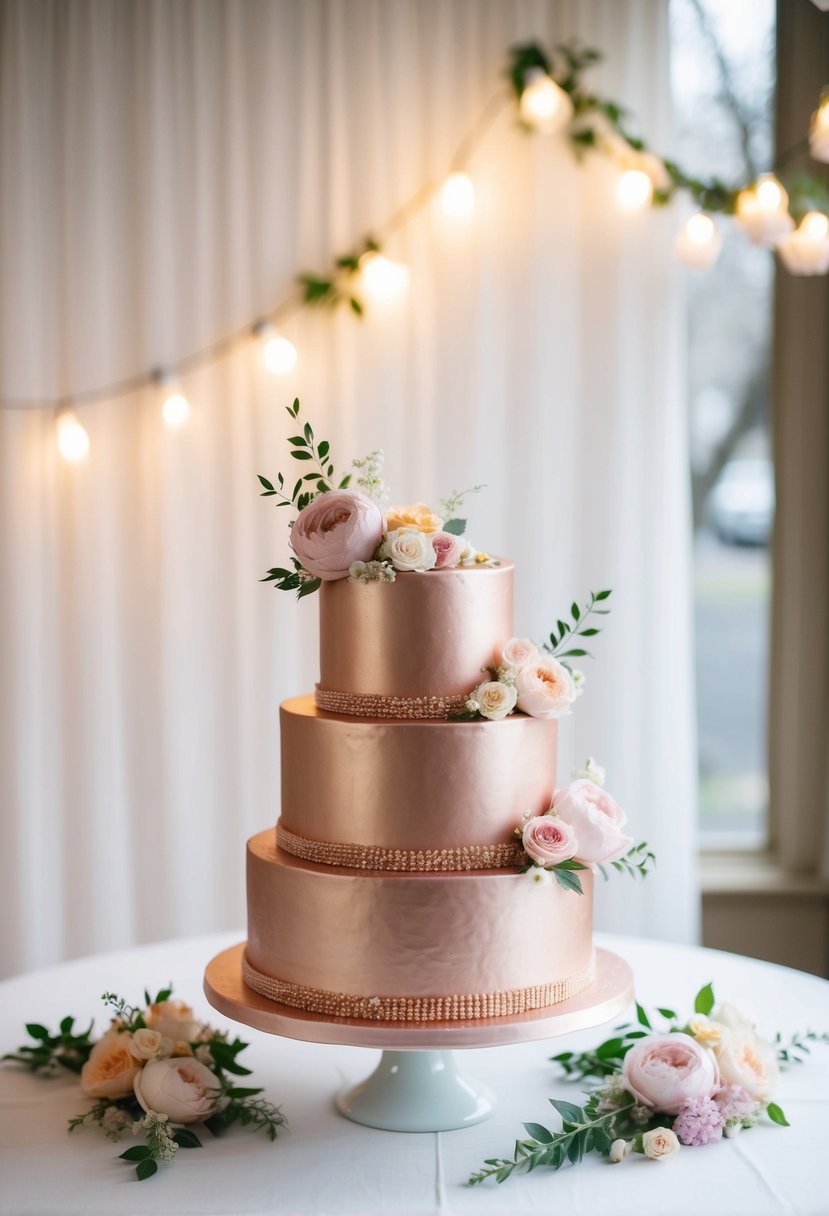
742, 502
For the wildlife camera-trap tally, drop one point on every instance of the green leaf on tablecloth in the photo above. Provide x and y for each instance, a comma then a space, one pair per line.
776, 1115
539, 1133
184, 1138
145, 1169
704, 1000
139, 1152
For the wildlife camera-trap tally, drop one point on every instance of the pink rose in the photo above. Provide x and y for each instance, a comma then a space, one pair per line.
548, 840
664, 1071
518, 652
545, 688
448, 549
596, 818
334, 530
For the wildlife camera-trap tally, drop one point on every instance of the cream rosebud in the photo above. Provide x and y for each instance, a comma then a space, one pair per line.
659, 1142
111, 1067
408, 549
184, 1090
494, 699
618, 1151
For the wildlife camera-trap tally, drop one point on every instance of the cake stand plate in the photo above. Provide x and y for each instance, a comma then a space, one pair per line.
417, 1086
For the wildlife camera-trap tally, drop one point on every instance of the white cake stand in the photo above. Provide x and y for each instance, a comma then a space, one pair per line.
417, 1086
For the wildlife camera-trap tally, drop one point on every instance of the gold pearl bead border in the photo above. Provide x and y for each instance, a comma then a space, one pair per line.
375, 705
409, 861
468, 1007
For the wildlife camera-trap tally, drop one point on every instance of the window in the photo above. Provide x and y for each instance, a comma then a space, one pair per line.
723, 83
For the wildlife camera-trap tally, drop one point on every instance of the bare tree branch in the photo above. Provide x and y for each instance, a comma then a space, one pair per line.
752, 410
728, 94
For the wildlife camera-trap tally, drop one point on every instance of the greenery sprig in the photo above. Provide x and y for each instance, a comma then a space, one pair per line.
636, 863
49, 1053
795, 1049
566, 632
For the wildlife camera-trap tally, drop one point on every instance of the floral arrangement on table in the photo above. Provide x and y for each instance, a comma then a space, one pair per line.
692, 1083
582, 830
154, 1072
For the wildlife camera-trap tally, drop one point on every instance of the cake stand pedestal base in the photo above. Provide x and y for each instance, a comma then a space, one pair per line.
416, 1091
416, 1087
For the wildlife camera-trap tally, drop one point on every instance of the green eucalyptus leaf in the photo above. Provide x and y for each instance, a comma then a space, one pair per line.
704, 1000
456, 527
776, 1115
642, 1017
539, 1133
301, 455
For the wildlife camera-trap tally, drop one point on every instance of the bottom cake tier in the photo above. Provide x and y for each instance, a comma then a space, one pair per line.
402, 947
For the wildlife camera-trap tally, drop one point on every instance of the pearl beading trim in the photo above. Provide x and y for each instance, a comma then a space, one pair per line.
375, 705
462, 1008
375, 857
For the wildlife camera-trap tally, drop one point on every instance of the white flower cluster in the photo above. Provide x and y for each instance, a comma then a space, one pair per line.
590, 771
371, 572
370, 480
527, 679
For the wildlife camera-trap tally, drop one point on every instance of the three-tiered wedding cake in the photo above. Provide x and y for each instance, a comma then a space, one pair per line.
392, 888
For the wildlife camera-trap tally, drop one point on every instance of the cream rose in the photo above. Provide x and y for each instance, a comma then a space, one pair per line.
747, 1060
596, 818
408, 549
174, 1019
664, 1071
545, 689
494, 700
183, 1089
448, 549
417, 516
659, 1142
518, 653
336, 530
733, 1017
111, 1068
548, 840
149, 1044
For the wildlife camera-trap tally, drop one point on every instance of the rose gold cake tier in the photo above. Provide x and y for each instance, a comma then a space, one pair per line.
350, 943
426, 634
410, 785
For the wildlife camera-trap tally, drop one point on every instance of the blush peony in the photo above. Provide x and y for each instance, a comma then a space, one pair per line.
548, 840
597, 819
183, 1089
448, 549
111, 1068
545, 688
665, 1071
336, 530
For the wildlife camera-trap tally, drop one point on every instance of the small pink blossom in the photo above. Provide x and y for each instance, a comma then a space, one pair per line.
735, 1103
700, 1121
548, 840
448, 549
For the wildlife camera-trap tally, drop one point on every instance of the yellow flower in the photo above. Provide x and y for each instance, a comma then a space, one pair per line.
480, 558
417, 517
705, 1032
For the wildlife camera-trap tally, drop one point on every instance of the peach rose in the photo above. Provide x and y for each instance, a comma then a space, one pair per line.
111, 1068
747, 1060
336, 530
183, 1089
548, 840
518, 653
174, 1019
659, 1142
664, 1071
596, 818
448, 549
545, 688
417, 516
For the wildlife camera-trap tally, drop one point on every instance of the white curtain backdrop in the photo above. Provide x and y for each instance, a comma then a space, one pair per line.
167, 166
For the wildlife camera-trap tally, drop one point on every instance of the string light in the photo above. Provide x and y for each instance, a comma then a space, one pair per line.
383, 280
634, 190
544, 105
806, 251
762, 212
175, 408
698, 243
457, 196
278, 353
819, 130
73, 441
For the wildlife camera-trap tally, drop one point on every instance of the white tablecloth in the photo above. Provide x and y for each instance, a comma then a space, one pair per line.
326, 1165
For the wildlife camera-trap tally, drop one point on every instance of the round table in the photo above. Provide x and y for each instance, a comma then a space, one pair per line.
325, 1164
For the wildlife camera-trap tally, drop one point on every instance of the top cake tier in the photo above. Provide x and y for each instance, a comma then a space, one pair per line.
425, 637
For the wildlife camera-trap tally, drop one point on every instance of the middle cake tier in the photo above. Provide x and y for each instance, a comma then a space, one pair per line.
377, 794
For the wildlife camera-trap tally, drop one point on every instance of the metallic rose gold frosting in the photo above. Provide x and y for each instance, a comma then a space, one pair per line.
426, 634
404, 935
412, 785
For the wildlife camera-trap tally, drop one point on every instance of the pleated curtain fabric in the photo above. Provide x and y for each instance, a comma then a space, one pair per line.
167, 168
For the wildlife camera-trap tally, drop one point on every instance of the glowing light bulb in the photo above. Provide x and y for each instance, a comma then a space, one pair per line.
634, 190
819, 131
544, 105
762, 211
176, 410
698, 243
770, 194
806, 251
383, 280
278, 353
457, 196
73, 441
